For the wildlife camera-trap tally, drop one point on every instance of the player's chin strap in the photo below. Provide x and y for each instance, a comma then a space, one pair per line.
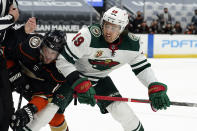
109, 98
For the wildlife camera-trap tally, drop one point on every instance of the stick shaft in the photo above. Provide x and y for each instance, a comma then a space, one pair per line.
175, 103
120, 99
19, 102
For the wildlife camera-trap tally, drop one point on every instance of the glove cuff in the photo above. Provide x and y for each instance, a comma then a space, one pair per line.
30, 110
156, 87
81, 85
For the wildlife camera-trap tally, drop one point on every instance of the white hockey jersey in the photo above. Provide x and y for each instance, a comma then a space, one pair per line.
93, 57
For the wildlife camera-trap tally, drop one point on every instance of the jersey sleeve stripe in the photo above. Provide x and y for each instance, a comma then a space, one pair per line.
92, 78
142, 64
139, 63
139, 127
67, 57
71, 52
140, 69
67, 52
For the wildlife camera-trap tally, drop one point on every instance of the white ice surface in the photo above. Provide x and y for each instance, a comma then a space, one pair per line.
181, 77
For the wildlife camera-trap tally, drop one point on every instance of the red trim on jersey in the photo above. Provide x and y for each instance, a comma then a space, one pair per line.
114, 46
51, 74
25, 54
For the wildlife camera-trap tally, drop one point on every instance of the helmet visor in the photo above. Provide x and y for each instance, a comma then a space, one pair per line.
111, 27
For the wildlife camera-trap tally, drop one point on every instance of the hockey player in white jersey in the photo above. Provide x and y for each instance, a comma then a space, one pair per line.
99, 49
96, 51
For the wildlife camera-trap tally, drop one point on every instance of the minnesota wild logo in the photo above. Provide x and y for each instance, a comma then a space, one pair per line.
99, 53
96, 31
133, 37
103, 64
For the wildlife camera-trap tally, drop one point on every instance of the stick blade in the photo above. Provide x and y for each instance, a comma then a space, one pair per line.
183, 104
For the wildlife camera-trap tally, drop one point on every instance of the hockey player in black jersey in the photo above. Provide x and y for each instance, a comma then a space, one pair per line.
39, 82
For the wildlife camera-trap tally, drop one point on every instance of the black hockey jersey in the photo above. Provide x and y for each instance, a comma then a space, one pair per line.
42, 77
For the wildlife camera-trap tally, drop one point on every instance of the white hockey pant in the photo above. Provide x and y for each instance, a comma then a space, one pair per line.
43, 117
121, 112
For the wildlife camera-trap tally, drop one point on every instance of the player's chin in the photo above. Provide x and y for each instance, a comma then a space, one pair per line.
108, 40
46, 61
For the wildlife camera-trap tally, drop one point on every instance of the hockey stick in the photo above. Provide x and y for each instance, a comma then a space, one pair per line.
174, 103
19, 101
18, 107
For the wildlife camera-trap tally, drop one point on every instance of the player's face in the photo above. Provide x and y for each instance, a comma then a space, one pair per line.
48, 55
110, 32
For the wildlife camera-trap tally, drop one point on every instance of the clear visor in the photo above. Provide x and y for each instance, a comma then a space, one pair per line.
111, 27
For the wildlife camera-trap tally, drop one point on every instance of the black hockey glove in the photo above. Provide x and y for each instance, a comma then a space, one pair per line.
23, 116
17, 79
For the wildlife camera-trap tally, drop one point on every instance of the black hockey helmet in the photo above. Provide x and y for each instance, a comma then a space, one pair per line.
55, 40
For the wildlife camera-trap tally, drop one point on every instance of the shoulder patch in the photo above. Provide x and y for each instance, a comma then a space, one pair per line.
99, 53
96, 31
35, 42
133, 37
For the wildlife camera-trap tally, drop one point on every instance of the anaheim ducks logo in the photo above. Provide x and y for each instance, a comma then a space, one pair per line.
99, 53
34, 42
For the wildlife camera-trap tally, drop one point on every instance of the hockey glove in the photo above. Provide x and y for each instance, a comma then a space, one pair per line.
157, 96
85, 91
17, 80
23, 116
